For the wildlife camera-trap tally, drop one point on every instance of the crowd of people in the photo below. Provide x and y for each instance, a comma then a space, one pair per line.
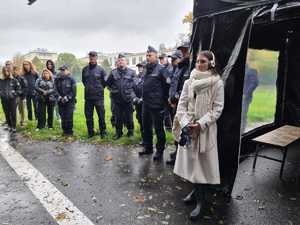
165, 95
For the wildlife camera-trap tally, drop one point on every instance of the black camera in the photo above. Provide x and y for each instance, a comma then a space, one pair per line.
185, 137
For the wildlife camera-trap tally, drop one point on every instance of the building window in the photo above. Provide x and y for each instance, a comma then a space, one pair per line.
134, 60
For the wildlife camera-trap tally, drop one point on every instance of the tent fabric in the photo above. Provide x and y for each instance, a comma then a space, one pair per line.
228, 35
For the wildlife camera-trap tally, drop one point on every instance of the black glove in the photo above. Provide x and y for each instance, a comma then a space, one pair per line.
185, 137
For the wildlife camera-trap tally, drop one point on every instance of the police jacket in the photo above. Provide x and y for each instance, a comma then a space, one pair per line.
138, 85
93, 79
181, 74
121, 85
45, 89
156, 86
24, 86
31, 79
65, 86
9, 88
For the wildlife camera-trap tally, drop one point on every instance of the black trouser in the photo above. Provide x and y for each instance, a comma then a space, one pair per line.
113, 114
10, 111
154, 117
89, 113
139, 117
66, 115
168, 117
45, 107
31, 100
124, 116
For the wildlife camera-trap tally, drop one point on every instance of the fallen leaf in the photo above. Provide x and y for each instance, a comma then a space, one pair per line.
139, 199
108, 158
61, 216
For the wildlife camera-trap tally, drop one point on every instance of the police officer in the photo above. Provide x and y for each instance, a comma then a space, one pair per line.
175, 59
181, 74
93, 79
155, 97
121, 85
65, 87
163, 60
138, 89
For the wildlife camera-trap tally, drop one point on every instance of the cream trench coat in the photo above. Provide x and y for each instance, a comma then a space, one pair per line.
201, 101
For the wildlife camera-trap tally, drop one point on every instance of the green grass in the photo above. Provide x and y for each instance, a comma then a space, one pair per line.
263, 106
80, 131
262, 109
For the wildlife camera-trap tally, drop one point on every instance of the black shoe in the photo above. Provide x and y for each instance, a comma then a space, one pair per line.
146, 151
158, 155
190, 198
199, 197
103, 134
171, 161
91, 134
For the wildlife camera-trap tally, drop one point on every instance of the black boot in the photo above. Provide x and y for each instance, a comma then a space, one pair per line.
146, 151
172, 159
159, 154
199, 194
190, 198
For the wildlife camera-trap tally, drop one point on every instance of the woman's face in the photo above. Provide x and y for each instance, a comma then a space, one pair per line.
6, 73
202, 63
49, 66
26, 66
46, 75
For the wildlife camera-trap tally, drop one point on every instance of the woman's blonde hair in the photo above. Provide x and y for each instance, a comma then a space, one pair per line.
17, 70
32, 67
50, 74
4, 70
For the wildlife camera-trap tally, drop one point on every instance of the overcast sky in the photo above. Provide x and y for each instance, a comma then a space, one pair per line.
78, 26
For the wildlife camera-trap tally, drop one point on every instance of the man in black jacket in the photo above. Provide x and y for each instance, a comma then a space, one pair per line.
155, 98
94, 81
121, 85
65, 89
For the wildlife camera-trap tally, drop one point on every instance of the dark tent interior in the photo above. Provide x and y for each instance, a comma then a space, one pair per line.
229, 29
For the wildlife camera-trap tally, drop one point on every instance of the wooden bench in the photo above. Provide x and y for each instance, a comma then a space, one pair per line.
280, 138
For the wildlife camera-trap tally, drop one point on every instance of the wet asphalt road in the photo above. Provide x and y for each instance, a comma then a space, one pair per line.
112, 185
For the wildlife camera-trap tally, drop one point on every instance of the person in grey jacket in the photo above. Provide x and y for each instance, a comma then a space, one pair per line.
46, 98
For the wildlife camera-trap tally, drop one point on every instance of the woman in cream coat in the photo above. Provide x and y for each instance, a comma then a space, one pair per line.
200, 105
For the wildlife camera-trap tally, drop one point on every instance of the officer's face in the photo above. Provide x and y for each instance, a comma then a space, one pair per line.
185, 52
122, 63
202, 63
151, 57
163, 60
140, 69
93, 59
65, 72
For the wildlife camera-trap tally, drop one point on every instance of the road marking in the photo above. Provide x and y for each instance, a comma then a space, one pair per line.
58, 206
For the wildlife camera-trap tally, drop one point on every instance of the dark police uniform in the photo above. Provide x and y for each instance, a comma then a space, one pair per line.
30, 98
65, 87
46, 97
138, 90
10, 89
121, 85
93, 79
155, 98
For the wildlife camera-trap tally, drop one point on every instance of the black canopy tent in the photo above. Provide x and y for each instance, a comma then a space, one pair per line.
229, 28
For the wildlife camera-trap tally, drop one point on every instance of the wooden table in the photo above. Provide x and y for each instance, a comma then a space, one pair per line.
280, 138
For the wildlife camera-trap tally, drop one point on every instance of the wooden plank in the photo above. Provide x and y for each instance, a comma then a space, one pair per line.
281, 137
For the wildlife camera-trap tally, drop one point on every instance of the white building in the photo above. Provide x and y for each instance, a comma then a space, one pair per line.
41, 53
